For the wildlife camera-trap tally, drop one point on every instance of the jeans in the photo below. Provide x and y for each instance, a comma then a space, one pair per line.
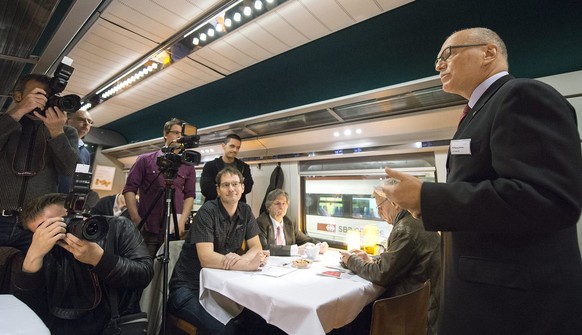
12, 234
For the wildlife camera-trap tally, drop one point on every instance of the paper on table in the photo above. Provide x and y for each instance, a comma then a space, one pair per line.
336, 274
276, 271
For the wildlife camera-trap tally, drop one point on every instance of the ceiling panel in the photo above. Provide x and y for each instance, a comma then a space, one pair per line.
178, 78
228, 57
264, 38
138, 25
195, 73
360, 10
239, 42
216, 61
391, 4
277, 25
105, 51
302, 20
328, 13
144, 18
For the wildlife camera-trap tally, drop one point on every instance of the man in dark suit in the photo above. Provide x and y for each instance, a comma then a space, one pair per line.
513, 195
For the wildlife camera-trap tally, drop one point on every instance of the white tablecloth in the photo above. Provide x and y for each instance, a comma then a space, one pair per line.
301, 302
17, 318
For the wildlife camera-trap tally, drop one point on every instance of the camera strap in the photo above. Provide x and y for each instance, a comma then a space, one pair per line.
111, 292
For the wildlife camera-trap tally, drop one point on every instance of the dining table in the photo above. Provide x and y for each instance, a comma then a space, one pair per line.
17, 318
312, 300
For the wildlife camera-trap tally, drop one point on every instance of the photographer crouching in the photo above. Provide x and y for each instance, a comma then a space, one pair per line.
35, 147
78, 269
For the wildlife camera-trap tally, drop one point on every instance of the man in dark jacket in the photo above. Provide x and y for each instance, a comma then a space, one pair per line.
66, 280
35, 148
508, 211
231, 147
412, 256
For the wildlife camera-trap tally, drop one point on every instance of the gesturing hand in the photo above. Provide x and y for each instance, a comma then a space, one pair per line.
405, 194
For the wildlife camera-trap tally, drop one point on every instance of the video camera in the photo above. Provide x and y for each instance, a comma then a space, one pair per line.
79, 223
175, 155
68, 103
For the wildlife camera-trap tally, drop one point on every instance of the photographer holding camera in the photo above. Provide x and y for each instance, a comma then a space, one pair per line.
145, 178
35, 147
68, 279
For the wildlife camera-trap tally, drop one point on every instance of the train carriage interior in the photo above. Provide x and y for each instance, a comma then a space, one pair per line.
337, 83
317, 87
330, 90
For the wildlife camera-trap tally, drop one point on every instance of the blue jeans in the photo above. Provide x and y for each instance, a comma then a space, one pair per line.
185, 303
12, 234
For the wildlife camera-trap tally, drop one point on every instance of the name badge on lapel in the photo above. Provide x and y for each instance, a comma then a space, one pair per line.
461, 147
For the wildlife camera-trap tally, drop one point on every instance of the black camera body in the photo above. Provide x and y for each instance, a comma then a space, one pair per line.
79, 223
68, 103
176, 155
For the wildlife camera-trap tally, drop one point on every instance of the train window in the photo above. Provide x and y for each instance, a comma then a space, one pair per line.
338, 201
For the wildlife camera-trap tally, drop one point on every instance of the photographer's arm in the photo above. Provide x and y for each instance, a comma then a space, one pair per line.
64, 151
45, 236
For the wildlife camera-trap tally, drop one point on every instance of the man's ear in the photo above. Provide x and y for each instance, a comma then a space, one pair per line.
491, 54
17, 96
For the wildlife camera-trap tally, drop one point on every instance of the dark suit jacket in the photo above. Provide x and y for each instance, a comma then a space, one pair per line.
512, 263
105, 207
66, 181
292, 235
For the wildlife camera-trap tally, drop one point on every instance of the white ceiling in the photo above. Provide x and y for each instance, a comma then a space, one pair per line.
129, 29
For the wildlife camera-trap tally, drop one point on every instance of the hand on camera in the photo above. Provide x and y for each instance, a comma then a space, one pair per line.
36, 99
83, 251
54, 119
45, 236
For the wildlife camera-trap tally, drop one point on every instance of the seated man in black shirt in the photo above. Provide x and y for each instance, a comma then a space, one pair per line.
215, 241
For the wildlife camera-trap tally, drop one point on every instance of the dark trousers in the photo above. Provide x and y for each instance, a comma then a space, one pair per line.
185, 304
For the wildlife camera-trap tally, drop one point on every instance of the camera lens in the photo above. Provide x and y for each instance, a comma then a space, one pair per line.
95, 228
69, 103
92, 229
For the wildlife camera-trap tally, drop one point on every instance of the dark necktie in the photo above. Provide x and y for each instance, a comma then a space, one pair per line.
464, 113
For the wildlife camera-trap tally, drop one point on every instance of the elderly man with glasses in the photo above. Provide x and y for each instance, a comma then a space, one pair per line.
279, 234
513, 196
412, 256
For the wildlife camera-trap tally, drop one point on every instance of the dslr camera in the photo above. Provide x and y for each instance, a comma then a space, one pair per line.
176, 154
79, 223
67, 103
